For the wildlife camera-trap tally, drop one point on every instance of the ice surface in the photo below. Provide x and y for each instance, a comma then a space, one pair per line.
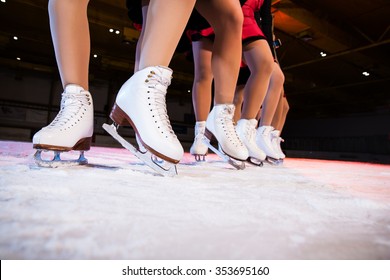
118, 208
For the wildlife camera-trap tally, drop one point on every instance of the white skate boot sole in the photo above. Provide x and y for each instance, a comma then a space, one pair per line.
162, 167
239, 165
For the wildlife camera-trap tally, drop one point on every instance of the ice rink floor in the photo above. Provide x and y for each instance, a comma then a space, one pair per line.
117, 208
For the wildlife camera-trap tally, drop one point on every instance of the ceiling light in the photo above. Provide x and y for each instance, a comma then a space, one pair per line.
15, 38
111, 30
95, 55
117, 32
18, 58
365, 73
323, 54
3, 1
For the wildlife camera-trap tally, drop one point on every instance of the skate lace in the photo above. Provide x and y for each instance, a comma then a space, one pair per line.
251, 133
71, 105
199, 133
228, 125
160, 84
266, 133
199, 136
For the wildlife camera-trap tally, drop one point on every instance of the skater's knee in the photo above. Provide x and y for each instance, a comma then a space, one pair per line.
261, 69
278, 75
233, 20
230, 17
203, 77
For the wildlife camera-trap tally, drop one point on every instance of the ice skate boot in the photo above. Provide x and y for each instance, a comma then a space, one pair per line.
141, 104
276, 141
246, 130
263, 140
71, 129
199, 149
219, 124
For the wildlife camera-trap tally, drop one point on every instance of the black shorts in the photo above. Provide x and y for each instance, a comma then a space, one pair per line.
134, 10
243, 75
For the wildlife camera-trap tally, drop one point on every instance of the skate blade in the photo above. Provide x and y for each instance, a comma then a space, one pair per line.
200, 158
162, 167
57, 161
239, 165
255, 161
273, 161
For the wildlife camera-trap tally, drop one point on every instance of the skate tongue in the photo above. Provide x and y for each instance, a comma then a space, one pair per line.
229, 109
72, 89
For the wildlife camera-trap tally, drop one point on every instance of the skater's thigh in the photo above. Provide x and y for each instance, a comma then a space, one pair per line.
220, 13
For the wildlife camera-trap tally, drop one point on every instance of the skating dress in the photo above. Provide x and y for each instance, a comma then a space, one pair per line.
198, 27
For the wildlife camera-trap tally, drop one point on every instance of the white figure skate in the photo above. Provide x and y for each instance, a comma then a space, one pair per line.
71, 129
219, 124
246, 130
141, 104
276, 141
199, 149
263, 140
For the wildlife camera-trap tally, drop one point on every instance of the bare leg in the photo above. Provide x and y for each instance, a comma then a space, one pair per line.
280, 118
145, 6
225, 17
238, 100
203, 78
162, 31
70, 34
259, 59
278, 112
273, 93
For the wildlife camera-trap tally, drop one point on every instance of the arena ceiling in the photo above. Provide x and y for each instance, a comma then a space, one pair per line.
353, 77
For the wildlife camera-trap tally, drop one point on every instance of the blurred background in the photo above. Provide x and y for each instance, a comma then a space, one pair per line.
335, 56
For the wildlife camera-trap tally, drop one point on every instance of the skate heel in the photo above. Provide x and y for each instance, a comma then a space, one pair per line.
83, 144
208, 134
119, 116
